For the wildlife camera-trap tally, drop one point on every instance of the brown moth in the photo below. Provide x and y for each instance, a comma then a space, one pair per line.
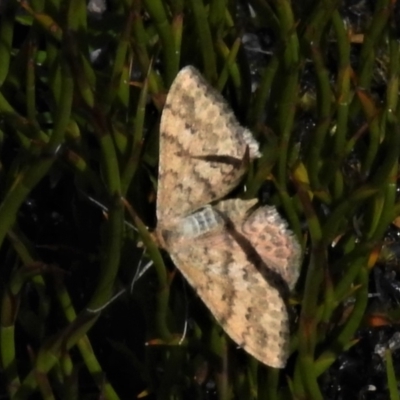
241, 261
204, 151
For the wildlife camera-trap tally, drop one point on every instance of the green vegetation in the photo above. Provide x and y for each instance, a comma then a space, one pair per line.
330, 139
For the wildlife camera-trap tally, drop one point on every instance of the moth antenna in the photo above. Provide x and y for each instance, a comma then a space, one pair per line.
104, 208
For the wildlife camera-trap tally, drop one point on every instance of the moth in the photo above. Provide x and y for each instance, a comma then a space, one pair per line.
241, 260
204, 151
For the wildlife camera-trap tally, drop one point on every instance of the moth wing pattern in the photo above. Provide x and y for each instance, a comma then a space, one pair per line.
203, 148
232, 254
250, 308
269, 235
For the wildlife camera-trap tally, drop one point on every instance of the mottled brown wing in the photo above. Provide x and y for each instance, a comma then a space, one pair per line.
204, 151
269, 235
249, 306
274, 242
